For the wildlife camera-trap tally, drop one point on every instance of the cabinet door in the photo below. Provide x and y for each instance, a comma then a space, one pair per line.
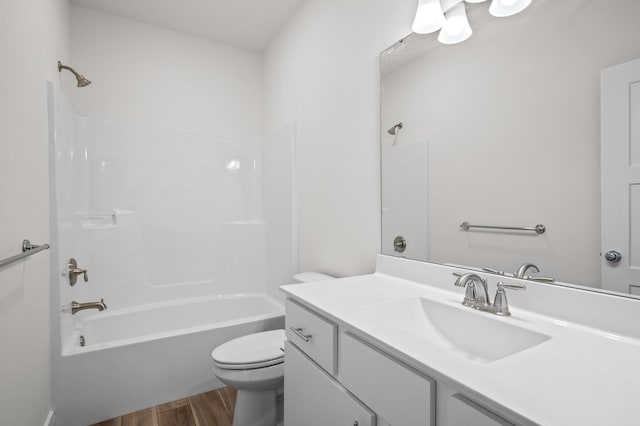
313, 398
397, 393
465, 412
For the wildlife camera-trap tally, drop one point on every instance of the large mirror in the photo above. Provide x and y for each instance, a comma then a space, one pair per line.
504, 130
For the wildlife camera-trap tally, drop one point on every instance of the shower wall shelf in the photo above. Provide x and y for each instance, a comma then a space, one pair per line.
27, 250
538, 229
99, 221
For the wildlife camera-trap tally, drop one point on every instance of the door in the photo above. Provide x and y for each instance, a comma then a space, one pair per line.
620, 160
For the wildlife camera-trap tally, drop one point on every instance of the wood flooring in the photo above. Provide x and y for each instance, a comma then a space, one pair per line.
214, 408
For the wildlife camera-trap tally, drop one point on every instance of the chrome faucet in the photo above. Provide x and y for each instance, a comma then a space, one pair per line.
524, 268
77, 307
476, 295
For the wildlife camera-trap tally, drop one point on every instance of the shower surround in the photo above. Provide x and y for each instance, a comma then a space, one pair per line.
170, 224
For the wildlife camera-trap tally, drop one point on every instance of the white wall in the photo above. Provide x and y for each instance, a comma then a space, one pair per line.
322, 70
145, 74
33, 36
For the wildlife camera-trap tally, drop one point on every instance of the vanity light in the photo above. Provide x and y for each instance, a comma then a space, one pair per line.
456, 28
429, 17
450, 17
503, 8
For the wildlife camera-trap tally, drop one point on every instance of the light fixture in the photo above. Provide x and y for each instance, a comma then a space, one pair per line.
503, 8
450, 17
456, 28
429, 17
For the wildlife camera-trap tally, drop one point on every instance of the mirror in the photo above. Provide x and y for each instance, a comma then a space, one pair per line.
502, 130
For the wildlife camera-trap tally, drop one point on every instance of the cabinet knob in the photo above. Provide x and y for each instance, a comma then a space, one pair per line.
356, 423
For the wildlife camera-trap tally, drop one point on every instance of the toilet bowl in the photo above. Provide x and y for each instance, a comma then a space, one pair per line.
254, 365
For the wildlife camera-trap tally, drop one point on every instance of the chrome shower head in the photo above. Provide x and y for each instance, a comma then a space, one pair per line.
82, 80
394, 129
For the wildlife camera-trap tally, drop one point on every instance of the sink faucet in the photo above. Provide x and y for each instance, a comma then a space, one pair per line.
76, 307
524, 268
476, 294
477, 297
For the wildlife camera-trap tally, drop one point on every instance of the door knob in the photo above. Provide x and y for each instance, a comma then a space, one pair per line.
613, 256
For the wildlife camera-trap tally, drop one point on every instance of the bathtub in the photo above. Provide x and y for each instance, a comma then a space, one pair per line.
141, 357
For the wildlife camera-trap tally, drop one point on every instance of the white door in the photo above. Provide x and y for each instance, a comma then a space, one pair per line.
620, 146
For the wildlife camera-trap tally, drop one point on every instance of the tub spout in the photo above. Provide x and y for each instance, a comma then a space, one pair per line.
76, 307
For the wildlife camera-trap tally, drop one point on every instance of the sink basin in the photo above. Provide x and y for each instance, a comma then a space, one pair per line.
476, 335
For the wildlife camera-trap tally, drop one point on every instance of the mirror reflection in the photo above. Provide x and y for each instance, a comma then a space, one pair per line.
504, 130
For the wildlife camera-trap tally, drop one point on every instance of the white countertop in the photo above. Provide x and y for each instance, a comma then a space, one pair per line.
581, 376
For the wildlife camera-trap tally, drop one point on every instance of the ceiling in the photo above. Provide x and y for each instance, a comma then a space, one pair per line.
248, 24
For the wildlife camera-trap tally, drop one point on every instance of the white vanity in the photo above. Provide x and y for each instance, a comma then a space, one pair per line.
398, 348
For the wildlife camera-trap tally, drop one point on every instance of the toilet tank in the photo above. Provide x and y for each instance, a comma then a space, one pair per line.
307, 277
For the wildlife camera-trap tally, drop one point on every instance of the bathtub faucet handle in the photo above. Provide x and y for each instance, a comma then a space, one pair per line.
73, 271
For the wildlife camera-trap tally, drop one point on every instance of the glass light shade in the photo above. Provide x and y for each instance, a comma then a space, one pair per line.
429, 17
456, 28
503, 8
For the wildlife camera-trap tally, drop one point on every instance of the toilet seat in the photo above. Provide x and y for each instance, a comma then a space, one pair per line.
252, 351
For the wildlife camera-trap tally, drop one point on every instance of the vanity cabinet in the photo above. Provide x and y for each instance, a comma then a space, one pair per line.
335, 378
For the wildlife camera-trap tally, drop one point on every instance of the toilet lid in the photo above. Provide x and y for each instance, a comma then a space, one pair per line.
251, 351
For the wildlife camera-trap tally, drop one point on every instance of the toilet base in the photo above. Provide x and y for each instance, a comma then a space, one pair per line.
256, 408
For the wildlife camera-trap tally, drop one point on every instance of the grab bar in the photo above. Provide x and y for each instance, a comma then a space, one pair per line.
27, 250
538, 229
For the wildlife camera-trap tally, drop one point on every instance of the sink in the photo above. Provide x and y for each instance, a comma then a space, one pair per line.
475, 335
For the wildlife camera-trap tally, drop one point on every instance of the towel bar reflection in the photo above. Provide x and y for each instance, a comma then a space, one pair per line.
538, 229
27, 250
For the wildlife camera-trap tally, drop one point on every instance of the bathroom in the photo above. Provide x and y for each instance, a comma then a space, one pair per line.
318, 68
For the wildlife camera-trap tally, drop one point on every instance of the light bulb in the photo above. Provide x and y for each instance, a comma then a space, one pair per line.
456, 28
429, 17
503, 8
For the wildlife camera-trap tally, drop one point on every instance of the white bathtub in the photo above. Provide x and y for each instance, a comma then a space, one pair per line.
136, 358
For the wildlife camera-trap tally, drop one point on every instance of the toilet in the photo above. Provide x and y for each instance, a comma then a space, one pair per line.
254, 365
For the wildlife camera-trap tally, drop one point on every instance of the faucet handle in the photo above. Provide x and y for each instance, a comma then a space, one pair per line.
547, 280
512, 286
493, 271
500, 304
73, 271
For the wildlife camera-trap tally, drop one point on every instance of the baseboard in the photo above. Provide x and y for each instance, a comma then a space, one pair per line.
51, 419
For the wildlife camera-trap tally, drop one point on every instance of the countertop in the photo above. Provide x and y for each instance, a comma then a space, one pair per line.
580, 376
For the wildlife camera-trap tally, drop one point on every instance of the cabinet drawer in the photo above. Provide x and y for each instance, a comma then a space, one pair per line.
378, 381
313, 398
314, 335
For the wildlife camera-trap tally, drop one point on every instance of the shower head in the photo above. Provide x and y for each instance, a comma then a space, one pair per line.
82, 81
394, 129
